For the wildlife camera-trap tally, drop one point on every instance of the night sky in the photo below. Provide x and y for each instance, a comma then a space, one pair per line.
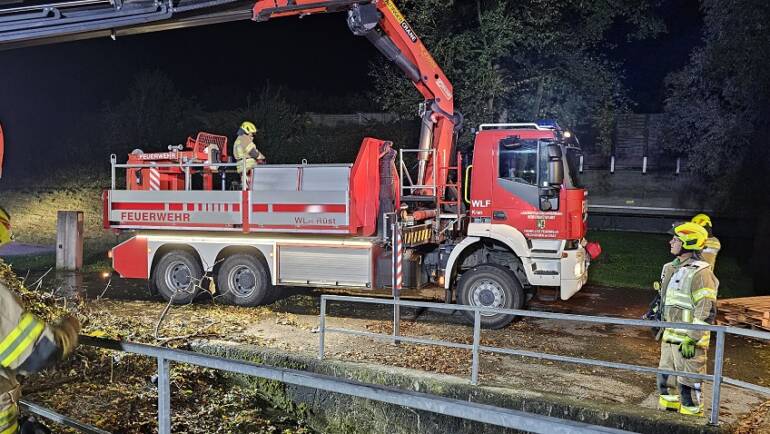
45, 90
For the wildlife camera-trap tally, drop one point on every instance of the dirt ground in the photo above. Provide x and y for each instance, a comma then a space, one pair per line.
290, 324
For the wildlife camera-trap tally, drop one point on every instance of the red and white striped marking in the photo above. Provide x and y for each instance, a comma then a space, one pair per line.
154, 179
399, 260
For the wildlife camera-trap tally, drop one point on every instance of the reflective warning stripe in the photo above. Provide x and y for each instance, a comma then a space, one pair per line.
20, 338
12, 429
704, 293
704, 341
671, 336
9, 419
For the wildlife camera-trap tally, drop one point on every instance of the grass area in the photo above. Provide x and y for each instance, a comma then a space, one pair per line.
33, 208
93, 262
634, 260
33, 213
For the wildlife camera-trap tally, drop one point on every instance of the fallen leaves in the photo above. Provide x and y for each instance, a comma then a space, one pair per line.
118, 391
757, 421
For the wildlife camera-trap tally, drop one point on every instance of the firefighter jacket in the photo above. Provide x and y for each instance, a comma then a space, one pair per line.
688, 295
27, 345
244, 149
711, 250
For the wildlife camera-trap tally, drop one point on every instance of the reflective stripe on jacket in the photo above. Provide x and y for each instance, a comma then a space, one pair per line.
9, 418
243, 147
27, 344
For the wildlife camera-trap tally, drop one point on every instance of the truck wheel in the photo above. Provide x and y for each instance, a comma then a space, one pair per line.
243, 280
490, 285
177, 276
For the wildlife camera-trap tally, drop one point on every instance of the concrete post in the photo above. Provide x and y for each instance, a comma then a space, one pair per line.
69, 240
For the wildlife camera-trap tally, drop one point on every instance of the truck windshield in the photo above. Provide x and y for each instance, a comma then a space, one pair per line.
573, 166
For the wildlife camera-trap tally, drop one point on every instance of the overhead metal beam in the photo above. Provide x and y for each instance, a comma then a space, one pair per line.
211, 12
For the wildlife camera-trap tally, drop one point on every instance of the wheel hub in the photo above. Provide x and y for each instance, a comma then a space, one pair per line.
242, 280
488, 293
179, 276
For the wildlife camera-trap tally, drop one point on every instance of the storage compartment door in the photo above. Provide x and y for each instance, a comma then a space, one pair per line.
325, 266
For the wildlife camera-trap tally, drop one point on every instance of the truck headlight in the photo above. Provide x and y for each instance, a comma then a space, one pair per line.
579, 268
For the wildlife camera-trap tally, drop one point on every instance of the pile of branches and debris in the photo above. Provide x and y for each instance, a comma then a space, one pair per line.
118, 392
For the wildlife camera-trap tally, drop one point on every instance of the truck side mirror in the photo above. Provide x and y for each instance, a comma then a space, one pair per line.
555, 165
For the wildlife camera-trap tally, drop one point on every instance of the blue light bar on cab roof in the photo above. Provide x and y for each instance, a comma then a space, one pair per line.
548, 123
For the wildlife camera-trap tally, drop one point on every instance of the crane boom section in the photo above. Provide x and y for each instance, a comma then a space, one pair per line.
384, 25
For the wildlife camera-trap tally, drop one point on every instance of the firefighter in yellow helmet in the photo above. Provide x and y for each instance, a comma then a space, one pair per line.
688, 295
713, 245
27, 345
245, 151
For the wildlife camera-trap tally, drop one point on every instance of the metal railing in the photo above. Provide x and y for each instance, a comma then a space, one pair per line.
717, 378
186, 167
463, 409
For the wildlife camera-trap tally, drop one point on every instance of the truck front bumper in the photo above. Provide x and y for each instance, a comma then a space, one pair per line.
574, 272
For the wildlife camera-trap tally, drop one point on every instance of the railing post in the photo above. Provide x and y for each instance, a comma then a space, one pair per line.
113, 161
244, 175
476, 344
322, 329
164, 397
719, 357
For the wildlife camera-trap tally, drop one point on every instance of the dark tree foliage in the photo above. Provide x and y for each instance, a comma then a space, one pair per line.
151, 116
719, 114
154, 115
514, 60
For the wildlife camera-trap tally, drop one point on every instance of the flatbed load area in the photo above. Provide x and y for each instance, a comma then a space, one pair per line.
281, 198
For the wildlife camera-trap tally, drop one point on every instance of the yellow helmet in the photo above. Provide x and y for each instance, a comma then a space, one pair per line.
249, 127
693, 235
5, 227
702, 219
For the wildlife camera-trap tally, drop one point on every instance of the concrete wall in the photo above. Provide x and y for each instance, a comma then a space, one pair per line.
329, 412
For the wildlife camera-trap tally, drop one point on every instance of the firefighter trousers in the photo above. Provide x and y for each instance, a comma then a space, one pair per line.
10, 392
671, 359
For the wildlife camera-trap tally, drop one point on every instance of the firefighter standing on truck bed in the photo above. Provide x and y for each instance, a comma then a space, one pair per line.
713, 245
688, 295
27, 345
244, 149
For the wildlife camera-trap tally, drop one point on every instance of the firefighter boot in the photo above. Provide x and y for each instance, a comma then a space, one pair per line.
669, 402
689, 406
665, 400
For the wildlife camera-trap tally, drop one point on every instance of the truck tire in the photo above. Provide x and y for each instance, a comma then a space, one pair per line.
490, 285
178, 275
244, 280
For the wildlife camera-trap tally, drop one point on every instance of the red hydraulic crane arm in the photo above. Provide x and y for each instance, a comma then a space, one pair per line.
383, 25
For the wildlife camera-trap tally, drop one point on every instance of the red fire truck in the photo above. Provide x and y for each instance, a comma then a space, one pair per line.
489, 233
